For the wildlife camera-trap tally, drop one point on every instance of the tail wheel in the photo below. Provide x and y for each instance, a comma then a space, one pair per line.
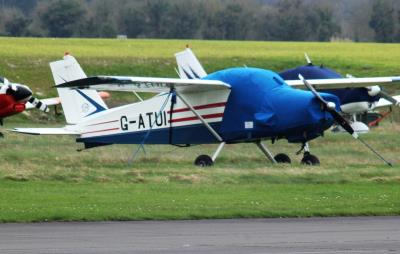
282, 158
203, 161
310, 159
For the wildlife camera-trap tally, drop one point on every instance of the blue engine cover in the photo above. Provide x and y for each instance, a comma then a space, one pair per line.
276, 109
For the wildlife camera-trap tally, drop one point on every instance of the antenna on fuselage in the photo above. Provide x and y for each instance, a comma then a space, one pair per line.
309, 62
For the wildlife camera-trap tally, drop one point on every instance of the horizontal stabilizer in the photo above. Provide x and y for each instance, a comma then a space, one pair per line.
144, 84
45, 131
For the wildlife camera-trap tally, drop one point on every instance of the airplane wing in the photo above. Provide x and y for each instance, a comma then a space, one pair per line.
143, 84
383, 102
344, 82
48, 102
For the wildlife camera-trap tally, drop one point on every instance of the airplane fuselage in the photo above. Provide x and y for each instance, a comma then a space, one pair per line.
9, 107
12, 101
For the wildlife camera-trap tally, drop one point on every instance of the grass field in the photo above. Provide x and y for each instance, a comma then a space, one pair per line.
44, 178
26, 60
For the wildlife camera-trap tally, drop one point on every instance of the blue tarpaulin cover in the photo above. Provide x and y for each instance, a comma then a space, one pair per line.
262, 97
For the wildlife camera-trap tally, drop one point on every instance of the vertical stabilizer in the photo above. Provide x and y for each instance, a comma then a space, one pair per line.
189, 66
76, 104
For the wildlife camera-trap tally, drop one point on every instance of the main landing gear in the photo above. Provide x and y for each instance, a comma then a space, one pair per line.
279, 158
308, 158
282, 158
207, 161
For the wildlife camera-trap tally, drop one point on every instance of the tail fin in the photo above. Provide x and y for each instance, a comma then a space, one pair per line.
76, 104
189, 66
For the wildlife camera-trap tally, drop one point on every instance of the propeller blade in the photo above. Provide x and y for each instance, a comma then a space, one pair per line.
39, 105
343, 122
312, 89
340, 119
331, 108
389, 98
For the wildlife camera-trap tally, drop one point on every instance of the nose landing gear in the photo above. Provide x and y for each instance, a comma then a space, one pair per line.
308, 158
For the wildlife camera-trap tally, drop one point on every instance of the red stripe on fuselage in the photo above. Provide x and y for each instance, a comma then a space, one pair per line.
185, 119
113, 129
103, 123
212, 105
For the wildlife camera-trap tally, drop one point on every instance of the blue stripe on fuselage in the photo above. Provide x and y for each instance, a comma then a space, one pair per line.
189, 134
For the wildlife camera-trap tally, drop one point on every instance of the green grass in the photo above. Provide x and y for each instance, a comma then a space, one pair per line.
26, 59
49, 201
43, 178
343, 159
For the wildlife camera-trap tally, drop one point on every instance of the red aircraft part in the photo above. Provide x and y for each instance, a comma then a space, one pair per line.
377, 121
9, 107
104, 95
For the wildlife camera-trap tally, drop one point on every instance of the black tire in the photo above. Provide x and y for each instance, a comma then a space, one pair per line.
203, 161
310, 159
282, 158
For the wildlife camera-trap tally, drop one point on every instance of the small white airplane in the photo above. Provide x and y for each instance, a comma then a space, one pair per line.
229, 106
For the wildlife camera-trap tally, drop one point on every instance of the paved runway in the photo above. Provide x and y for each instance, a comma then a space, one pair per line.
314, 235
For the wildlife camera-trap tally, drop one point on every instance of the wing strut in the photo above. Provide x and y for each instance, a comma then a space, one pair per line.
212, 131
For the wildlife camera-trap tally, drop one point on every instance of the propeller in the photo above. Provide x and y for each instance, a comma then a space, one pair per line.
389, 98
39, 104
376, 90
22, 93
331, 108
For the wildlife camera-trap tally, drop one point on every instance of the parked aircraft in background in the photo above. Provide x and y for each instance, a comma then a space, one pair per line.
229, 106
15, 98
354, 101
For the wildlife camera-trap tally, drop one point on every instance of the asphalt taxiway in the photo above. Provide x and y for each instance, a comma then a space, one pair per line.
303, 235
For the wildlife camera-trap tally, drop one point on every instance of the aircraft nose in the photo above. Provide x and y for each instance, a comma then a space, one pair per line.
317, 109
21, 93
